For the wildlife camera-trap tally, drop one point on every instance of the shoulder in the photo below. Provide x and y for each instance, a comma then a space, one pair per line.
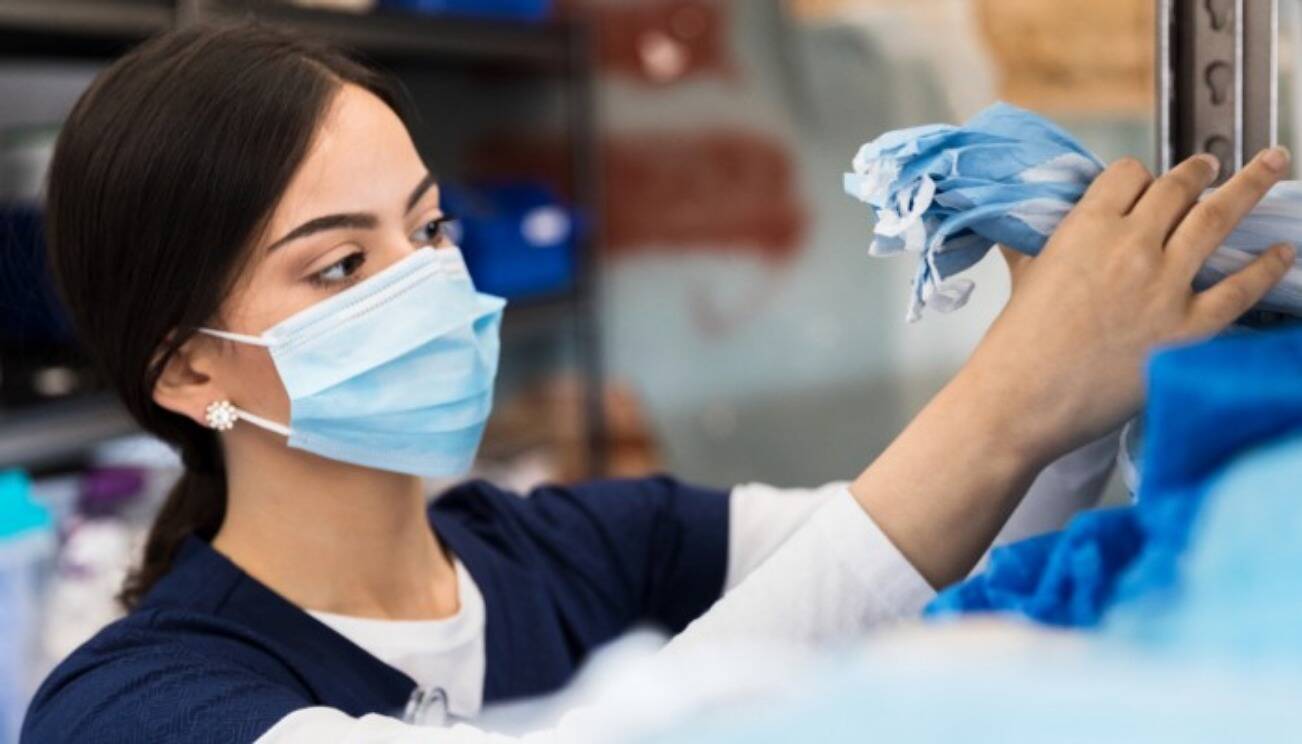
163, 675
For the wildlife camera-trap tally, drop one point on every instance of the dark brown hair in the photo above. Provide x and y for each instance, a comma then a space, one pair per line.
165, 172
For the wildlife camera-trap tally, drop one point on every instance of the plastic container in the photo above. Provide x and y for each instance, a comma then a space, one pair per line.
106, 491
520, 10
518, 240
32, 314
27, 546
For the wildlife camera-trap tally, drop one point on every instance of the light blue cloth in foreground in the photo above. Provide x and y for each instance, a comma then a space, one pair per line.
950, 193
1200, 638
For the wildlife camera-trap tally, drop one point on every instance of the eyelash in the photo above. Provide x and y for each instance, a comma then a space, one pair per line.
350, 264
354, 261
440, 225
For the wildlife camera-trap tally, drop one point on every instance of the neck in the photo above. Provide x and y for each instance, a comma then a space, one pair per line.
332, 537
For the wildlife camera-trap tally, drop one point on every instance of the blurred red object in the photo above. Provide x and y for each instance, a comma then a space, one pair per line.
719, 190
659, 42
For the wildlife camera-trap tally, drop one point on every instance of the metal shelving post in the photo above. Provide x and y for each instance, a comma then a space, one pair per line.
586, 168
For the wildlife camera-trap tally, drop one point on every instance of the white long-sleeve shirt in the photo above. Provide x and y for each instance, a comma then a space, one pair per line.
804, 567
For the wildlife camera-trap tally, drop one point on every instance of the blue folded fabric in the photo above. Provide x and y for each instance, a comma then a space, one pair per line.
1237, 593
1007, 176
1209, 405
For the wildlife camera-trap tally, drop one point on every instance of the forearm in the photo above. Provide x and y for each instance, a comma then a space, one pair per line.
947, 484
1113, 282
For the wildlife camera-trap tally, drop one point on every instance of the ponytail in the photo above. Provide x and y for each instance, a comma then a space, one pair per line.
196, 505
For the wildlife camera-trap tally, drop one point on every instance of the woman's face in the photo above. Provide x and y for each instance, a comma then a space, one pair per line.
362, 200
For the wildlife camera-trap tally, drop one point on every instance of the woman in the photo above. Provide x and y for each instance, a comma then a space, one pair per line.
253, 252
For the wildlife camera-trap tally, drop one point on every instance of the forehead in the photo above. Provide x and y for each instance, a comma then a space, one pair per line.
362, 159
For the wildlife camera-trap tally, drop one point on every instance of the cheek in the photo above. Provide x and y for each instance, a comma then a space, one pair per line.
250, 379
248, 375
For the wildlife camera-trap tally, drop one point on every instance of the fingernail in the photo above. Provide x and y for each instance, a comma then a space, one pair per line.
1212, 162
1276, 158
1287, 253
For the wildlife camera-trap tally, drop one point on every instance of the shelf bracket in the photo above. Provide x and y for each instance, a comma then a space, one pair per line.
1217, 75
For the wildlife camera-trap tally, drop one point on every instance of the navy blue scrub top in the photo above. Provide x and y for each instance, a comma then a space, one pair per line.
213, 655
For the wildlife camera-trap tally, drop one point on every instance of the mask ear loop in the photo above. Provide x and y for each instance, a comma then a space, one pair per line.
237, 337
222, 415
225, 410
262, 423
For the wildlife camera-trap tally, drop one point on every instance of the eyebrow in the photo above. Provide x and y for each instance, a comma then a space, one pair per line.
419, 191
353, 221
358, 221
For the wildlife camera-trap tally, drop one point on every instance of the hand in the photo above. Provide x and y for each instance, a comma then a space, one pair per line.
1063, 363
1064, 360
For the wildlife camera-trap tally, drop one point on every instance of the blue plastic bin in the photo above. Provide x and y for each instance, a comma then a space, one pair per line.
30, 311
520, 10
518, 239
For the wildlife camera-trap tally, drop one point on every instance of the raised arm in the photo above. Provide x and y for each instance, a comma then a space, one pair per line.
1062, 365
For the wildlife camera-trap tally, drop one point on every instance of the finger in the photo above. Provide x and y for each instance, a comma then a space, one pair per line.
1171, 197
1206, 226
1118, 187
1217, 307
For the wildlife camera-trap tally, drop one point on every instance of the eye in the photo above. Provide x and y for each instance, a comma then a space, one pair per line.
340, 271
436, 232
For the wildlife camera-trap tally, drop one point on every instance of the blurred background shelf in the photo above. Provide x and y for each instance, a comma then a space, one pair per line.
499, 76
91, 28
46, 437
388, 34
78, 28
102, 17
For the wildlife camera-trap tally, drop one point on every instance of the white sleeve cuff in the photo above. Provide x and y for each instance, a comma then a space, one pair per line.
835, 578
864, 549
762, 517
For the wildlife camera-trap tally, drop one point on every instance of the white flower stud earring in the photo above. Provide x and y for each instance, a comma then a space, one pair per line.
221, 415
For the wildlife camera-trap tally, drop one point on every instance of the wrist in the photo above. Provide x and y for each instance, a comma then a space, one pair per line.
1016, 421
946, 485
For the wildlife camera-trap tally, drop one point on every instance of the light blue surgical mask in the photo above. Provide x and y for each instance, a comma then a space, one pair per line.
950, 193
395, 373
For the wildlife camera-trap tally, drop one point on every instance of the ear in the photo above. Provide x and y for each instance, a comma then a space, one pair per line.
186, 386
